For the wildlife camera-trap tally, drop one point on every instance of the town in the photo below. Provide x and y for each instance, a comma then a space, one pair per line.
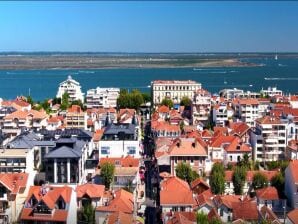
177, 155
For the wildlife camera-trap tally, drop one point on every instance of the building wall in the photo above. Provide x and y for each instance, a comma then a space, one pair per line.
119, 148
291, 189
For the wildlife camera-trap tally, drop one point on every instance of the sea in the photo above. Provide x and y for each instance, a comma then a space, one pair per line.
42, 84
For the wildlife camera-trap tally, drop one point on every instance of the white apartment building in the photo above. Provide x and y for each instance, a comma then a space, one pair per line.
269, 139
247, 110
173, 89
102, 97
271, 91
72, 87
230, 93
201, 106
222, 113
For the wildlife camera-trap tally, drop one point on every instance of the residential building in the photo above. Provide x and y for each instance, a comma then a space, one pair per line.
222, 113
114, 201
66, 162
13, 187
271, 91
247, 110
102, 97
32, 119
72, 87
291, 183
48, 204
165, 129
267, 196
231, 93
126, 171
120, 140
76, 118
269, 139
173, 89
201, 106
175, 195
90, 194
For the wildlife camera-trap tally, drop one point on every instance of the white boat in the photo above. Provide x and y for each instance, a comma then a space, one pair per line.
276, 57
250, 85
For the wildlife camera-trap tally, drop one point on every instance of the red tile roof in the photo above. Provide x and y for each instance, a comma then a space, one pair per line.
163, 109
293, 216
204, 198
187, 146
57, 216
122, 202
267, 193
250, 174
268, 120
175, 191
246, 210
14, 182
249, 101
91, 190
182, 218
293, 167
127, 161
119, 218
74, 109
198, 181
164, 126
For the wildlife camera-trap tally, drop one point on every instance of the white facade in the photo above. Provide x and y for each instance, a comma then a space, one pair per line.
72, 87
114, 148
174, 90
102, 97
271, 91
230, 93
222, 113
201, 106
248, 113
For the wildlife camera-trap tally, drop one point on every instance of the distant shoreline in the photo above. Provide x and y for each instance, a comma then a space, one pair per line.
66, 62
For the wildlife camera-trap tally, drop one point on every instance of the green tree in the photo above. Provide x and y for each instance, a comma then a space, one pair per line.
30, 100
65, 101
239, 177
107, 171
130, 100
184, 172
217, 179
167, 102
45, 105
185, 101
87, 214
146, 97
202, 218
56, 100
278, 181
259, 181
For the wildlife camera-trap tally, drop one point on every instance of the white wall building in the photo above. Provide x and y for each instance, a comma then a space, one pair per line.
102, 97
247, 110
173, 89
201, 106
72, 87
271, 91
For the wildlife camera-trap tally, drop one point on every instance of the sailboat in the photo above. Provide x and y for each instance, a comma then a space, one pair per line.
225, 82
276, 58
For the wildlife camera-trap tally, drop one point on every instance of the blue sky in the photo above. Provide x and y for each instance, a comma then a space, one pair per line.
149, 26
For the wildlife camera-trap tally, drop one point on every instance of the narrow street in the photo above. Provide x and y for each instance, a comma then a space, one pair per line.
153, 209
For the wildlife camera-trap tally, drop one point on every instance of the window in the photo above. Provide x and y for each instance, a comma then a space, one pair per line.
105, 150
131, 150
231, 158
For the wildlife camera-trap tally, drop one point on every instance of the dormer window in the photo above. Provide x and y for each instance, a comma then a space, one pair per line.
42, 208
60, 204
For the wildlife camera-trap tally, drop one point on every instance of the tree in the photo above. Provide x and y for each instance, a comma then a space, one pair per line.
45, 105
239, 177
30, 100
130, 100
56, 100
259, 181
167, 102
107, 171
87, 214
278, 181
65, 101
77, 102
202, 218
217, 179
146, 97
184, 172
185, 101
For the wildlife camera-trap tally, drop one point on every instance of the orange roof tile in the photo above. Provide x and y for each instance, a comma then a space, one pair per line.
122, 202
204, 198
237, 146
163, 109
22, 115
293, 167
165, 126
119, 218
293, 216
219, 141
249, 174
227, 200
182, 218
268, 120
187, 146
58, 215
248, 101
14, 182
98, 134
127, 161
198, 181
246, 210
175, 191
74, 109
92, 190
267, 193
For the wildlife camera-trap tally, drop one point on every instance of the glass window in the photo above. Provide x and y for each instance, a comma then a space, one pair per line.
131, 150
105, 150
